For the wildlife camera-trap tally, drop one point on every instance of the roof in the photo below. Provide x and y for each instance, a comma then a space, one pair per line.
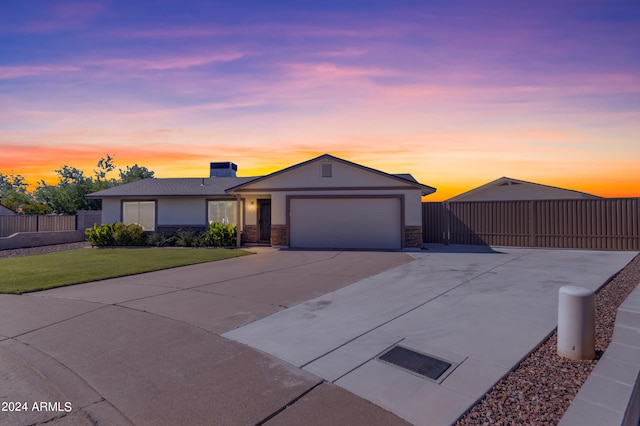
222, 186
545, 192
404, 177
6, 211
172, 187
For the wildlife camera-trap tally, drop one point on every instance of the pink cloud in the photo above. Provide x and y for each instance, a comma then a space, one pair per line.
331, 71
160, 63
64, 16
9, 72
340, 53
280, 30
165, 63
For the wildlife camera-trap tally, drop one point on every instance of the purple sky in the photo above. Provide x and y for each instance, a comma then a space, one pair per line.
457, 93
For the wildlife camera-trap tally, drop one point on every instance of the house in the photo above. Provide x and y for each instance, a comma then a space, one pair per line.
508, 189
326, 202
6, 211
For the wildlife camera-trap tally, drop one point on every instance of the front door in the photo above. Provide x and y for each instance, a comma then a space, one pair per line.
264, 220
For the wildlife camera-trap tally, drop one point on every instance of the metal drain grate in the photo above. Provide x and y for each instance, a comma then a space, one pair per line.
418, 363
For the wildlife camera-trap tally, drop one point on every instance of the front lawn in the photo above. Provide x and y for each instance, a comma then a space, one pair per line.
32, 273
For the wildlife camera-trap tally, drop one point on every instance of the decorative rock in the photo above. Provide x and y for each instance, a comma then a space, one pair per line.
524, 395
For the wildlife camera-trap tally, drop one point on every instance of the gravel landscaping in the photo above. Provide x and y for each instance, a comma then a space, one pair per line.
540, 389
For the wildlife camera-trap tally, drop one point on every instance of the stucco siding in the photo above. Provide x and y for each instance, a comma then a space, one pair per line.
310, 176
110, 210
412, 208
279, 208
251, 210
181, 211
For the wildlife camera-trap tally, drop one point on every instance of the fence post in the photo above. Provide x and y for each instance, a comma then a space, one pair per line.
533, 238
446, 232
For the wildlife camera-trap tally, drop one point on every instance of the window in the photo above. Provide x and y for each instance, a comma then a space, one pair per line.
225, 212
141, 212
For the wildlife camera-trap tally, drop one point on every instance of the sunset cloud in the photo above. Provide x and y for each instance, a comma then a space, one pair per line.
166, 63
34, 70
65, 16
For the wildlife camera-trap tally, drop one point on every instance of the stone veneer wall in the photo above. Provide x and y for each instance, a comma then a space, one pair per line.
250, 234
278, 235
413, 236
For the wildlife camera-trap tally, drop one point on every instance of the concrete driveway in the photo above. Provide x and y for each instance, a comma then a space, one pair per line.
146, 349
284, 337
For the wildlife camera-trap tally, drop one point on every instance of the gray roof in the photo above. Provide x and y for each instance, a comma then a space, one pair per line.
406, 176
6, 211
571, 194
173, 187
220, 186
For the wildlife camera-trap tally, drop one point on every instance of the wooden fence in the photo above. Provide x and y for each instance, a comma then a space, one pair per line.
27, 223
608, 224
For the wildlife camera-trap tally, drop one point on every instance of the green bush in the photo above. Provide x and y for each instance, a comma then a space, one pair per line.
128, 235
100, 235
219, 235
160, 239
116, 234
187, 239
119, 234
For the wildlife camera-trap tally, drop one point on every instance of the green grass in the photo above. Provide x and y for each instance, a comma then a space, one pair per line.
32, 273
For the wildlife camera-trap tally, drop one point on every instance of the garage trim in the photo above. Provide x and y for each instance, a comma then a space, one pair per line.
399, 197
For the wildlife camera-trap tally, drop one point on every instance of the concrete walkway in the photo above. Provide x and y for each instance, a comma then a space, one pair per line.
482, 312
168, 347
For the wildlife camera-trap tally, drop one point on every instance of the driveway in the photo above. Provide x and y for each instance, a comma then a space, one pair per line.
147, 350
480, 310
285, 337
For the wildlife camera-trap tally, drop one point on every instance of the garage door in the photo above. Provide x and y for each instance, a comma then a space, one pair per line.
368, 223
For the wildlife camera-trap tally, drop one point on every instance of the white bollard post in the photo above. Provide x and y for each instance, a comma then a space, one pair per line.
576, 323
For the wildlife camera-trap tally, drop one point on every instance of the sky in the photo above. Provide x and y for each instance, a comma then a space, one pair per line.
457, 93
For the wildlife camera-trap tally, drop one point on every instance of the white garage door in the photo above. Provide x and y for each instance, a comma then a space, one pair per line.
369, 223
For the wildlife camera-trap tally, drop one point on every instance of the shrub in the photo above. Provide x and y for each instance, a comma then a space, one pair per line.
128, 235
100, 235
187, 239
160, 239
116, 234
219, 235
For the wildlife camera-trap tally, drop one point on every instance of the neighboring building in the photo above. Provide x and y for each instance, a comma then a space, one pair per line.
508, 189
5, 211
326, 202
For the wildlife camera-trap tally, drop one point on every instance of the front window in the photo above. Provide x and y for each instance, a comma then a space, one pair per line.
225, 212
142, 213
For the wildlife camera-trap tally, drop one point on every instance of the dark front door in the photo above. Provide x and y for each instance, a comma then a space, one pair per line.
264, 220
